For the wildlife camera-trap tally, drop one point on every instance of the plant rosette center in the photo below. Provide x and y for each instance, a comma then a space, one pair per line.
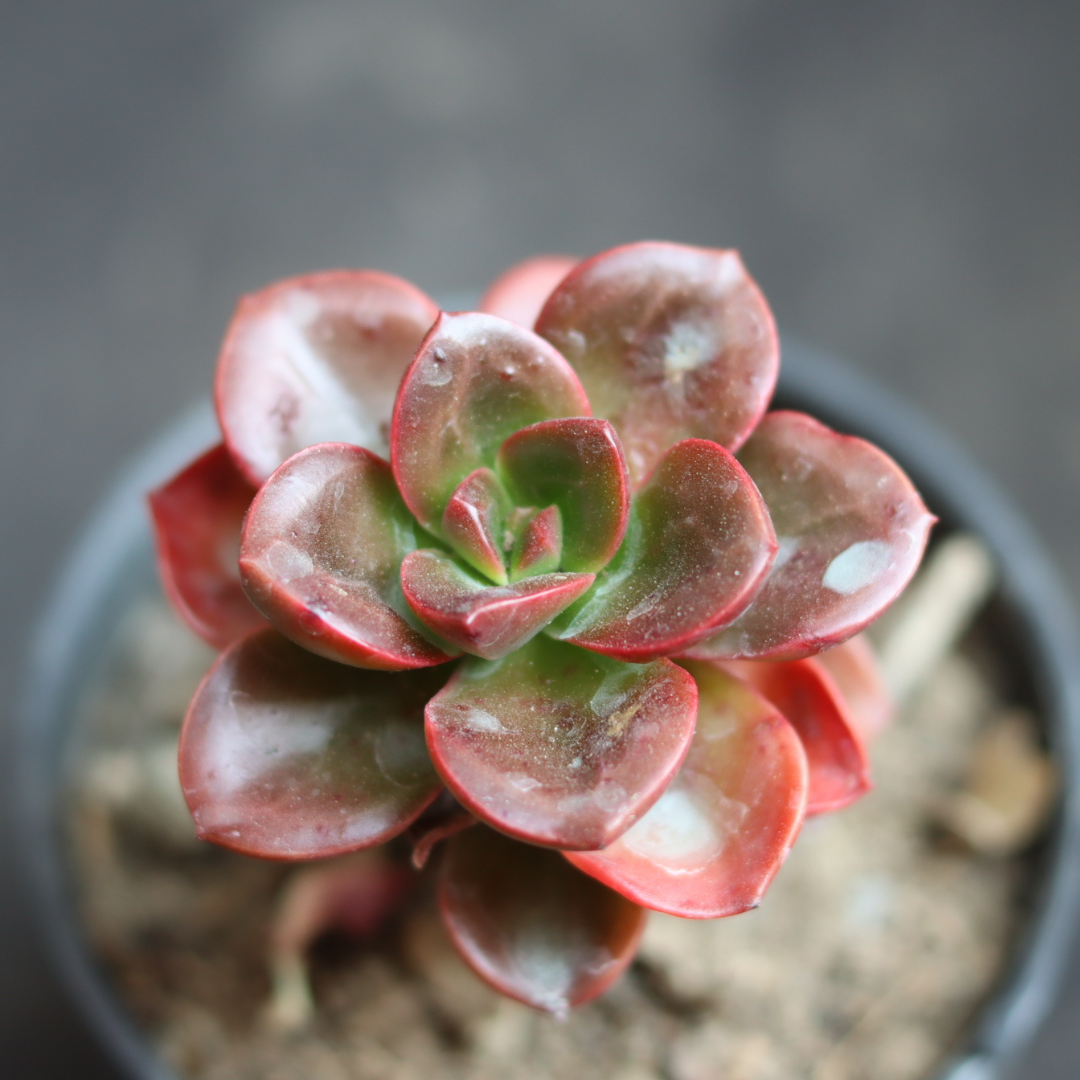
541, 583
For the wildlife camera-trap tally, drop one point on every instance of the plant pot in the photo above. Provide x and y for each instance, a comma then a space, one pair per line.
113, 566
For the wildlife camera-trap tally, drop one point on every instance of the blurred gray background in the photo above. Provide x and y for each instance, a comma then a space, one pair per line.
903, 179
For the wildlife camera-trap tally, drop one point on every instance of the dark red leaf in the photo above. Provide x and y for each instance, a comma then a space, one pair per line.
559, 746
719, 833
285, 755
519, 293
670, 342
485, 620
539, 547
697, 549
577, 465
321, 558
852, 530
475, 381
531, 925
807, 696
316, 359
197, 518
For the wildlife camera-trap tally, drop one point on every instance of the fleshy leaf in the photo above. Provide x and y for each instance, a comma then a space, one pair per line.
697, 549
854, 668
285, 755
474, 522
442, 819
807, 696
670, 342
851, 528
531, 925
485, 620
197, 519
321, 556
316, 359
716, 838
476, 380
558, 746
519, 293
577, 465
539, 547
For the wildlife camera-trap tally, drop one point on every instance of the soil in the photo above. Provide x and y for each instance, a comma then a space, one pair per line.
877, 942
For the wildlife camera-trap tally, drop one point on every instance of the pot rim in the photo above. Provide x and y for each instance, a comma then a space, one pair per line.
825, 387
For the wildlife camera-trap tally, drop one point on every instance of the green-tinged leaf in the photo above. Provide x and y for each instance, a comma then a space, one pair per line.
285, 755
317, 359
538, 549
531, 925
321, 558
697, 549
577, 465
714, 841
559, 746
670, 342
851, 529
485, 620
475, 381
474, 523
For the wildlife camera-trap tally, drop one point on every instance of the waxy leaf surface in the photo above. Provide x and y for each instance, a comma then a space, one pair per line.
321, 557
714, 841
854, 668
558, 746
485, 620
474, 523
519, 293
475, 381
538, 550
285, 755
577, 465
197, 519
317, 359
698, 547
810, 700
670, 342
851, 529
531, 925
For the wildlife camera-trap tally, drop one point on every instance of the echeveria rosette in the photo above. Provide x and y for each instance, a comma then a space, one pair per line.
562, 509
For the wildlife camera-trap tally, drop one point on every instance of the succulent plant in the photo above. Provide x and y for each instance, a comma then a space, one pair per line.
511, 589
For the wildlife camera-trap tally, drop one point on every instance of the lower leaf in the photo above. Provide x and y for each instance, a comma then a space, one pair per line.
531, 925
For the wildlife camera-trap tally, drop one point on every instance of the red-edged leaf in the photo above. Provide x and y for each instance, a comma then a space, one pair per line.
286, 755
697, 549
577, 465
805, 693
854, 668
519, 293
716, 838
531, 925
558, 746
321, 557
316, 359
485, 620
474, 523
476, 380
851, 528
539, 547
197, 518
671, 342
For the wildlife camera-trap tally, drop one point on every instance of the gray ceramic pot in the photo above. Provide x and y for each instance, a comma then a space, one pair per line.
113, 565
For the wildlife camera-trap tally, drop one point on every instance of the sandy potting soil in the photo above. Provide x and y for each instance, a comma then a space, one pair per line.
877, 942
